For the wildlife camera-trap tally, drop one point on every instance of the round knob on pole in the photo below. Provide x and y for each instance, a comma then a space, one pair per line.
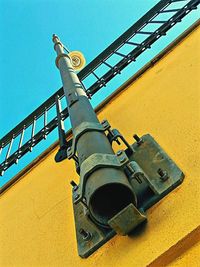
77, 59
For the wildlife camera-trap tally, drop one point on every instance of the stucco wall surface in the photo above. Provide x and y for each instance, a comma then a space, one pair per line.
36, 217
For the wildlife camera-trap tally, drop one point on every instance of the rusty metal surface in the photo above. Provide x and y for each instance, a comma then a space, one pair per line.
97, 235
98, 161
149, 186
127, 220
151, 157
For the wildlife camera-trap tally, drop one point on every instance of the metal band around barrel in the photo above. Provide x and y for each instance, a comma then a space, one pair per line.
59, 57
80, 130
97, 161
57, 44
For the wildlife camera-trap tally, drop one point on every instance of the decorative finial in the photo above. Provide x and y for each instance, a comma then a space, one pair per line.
54, 36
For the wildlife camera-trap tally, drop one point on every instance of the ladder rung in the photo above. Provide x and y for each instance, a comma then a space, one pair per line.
120, 54
9, 148
33, 127
132, 43
45, 122
170, 10
21, 137
20, 144
108, 65
95, 75
140, 32
157, 21
177, 1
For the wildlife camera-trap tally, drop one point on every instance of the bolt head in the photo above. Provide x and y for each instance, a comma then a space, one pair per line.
163, 174
119, 153
76, 196
85, 235
84, 200
123, 159
75, 188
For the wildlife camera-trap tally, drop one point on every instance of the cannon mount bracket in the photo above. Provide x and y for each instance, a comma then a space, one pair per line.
151, 173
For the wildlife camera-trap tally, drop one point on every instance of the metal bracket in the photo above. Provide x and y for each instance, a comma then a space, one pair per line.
157, 166
115, 135
61, 154
96, 161
152, 174
86, 127
127, 220
89, 236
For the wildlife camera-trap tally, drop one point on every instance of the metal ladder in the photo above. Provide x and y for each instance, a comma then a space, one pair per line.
110, 70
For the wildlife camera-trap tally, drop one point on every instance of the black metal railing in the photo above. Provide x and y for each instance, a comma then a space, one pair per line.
162, 17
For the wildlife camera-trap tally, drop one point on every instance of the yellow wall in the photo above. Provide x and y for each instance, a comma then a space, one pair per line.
36, 217
189, 258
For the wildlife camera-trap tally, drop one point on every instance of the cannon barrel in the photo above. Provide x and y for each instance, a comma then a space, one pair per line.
107, 189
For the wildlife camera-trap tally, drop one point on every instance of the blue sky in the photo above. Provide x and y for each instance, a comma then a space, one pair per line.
27, 61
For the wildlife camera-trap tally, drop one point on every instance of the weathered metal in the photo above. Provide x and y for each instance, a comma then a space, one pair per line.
152, 175
41, 195
114, 189
127, 220
62, 152
93, 149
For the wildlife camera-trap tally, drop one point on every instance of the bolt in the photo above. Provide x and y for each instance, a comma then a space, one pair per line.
86, 235
76, 197
163, 174
84, 200
138, 139
123, 159
119, 153
74, 185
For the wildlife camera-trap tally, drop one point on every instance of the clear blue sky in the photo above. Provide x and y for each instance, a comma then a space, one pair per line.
28, 75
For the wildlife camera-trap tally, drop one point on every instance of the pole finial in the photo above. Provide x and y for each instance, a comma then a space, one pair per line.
54, 36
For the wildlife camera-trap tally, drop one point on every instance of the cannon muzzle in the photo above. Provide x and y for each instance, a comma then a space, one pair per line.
108, 194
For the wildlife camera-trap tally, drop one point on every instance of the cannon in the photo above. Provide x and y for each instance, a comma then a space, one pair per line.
115, 188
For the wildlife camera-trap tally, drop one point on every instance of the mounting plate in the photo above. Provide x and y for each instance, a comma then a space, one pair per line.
150, 157
98, 235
